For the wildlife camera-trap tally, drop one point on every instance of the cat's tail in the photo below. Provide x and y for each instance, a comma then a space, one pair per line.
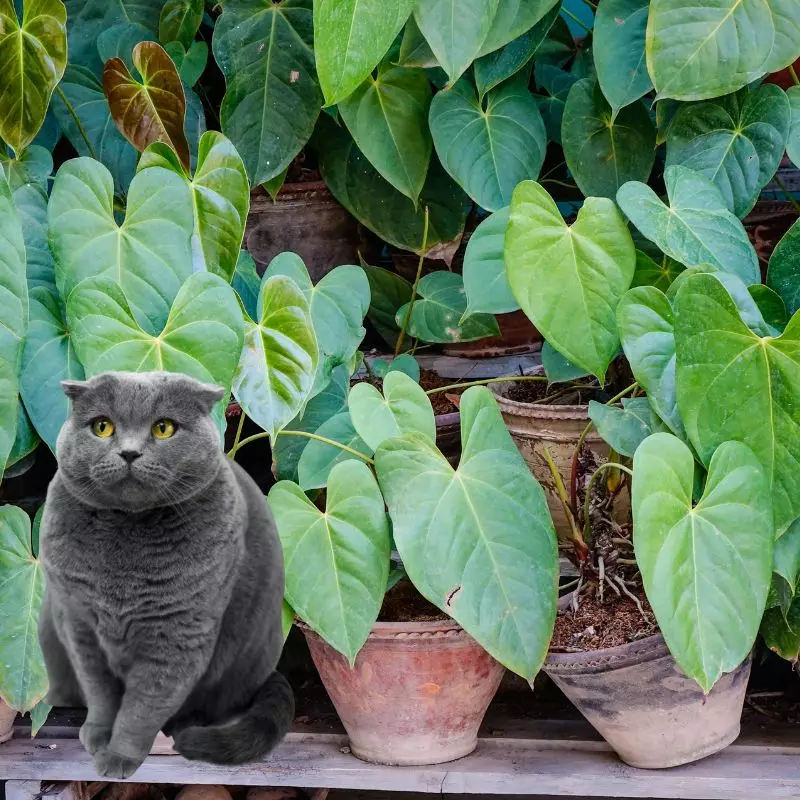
249, 735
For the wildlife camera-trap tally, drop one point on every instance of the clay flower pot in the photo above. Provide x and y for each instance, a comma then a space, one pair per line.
640, 702
416, 695
7, 717
517, 335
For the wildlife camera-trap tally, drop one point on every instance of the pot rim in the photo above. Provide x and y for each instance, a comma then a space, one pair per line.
259, 193
436, 629
639, 651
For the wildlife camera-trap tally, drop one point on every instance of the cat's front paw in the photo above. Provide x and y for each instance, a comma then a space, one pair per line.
94, 737
109, 764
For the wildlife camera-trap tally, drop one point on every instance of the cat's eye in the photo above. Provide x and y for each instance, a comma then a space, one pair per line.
102, 427
163, 429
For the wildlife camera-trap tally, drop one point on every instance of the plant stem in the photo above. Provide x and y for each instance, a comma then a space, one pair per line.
587, 500
591, 5
305, 434
74, 115
407, 318
578, 543
576, 20
242, 417
564, 184
486, 381
794, 75
786, 192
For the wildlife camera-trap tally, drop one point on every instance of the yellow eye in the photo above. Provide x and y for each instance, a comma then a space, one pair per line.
163, 429
103, 427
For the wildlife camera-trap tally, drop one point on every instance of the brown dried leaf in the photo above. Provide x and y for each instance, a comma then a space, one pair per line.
153, 110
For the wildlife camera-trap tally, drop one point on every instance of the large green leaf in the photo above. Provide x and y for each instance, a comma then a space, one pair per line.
568, 280
26, 439
439, 314
557, 83
513, 18
23, 677
351, 37
336, 561
493, 68
388, 293
280, 356
34, 166
623, 429
247, 283
784, 268
377, 205
618, 47
735, 384
33, 56
735, 141
180, 20
414, 50
149, 254
220, 199
119, 40
48, 358
388, 119
402, 408
602, 150
484, 270
455, 31
489, 147
31, 204
647, 330
706, 569
697, 50
793, 141
557, 368
696, 228
478, 541
272, 98
202, 336
13, 316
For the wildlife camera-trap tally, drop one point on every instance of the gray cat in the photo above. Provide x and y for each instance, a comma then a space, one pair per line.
164, 579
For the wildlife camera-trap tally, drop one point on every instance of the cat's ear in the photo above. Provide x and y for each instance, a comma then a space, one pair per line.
74, 389
206, 394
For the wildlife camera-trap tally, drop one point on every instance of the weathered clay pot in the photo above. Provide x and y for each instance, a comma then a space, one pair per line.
645, 707
517, 335
558, 428
417, 694
7, 717
305, 219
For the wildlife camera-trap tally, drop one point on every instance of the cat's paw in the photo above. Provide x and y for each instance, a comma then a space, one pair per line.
94, 737
109, 764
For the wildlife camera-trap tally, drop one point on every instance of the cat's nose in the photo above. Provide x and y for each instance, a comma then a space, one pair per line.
129, 455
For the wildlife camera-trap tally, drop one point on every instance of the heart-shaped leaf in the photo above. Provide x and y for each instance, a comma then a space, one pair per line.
784, 268
13, 316
604, 150
557, 83
149, 254
152, 110
706, 569
119, 40
793, 141
377, 205
484, 270
558, 368
513, 18
180, 20
737, 142
33, 57
272, 98
191, 63
220, 198
618, 45
736, 385
247, 283
350, 38
31, 204
568, 280
388, 293
478, 541
48, 358
387, 116
440, 312
488, 151
495, 67
647, 329
405, 363
455, 31
402, 408
319, 458
202, 336
23, 677
279, 360
34, 166
343, 553
660, 274
696, 228
623, 429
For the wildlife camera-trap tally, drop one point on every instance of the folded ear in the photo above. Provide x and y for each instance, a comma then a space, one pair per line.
204, 394
74, 389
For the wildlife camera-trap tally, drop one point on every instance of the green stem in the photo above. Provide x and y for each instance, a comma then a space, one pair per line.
578, 543
794, 75
786, 192
576, 20
591, 5
407, 318
242, 417
486, 381
559, 183
587, 500
74, 115
232, 452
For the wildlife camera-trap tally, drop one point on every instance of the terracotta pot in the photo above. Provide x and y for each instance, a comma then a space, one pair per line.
7, 717
640, 702
517, 335
417, 694
305, 219
558, 428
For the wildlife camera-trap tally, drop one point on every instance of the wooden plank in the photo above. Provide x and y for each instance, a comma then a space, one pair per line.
559, 766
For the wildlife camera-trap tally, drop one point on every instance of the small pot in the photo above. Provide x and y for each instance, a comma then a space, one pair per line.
416, 695
7, 717
640, 702
305, 219
517, 335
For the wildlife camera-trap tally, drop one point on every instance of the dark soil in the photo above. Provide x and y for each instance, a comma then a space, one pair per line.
596, 625
441, 401
403, 603
556, 394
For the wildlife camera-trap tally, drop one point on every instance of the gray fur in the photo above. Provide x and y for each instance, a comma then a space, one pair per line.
164, 580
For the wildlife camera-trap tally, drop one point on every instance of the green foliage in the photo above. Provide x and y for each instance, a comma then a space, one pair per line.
623, 429
793, 141
784, 268
388, 293
179, 21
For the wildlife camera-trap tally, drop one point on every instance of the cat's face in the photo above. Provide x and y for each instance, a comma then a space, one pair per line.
135, 441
